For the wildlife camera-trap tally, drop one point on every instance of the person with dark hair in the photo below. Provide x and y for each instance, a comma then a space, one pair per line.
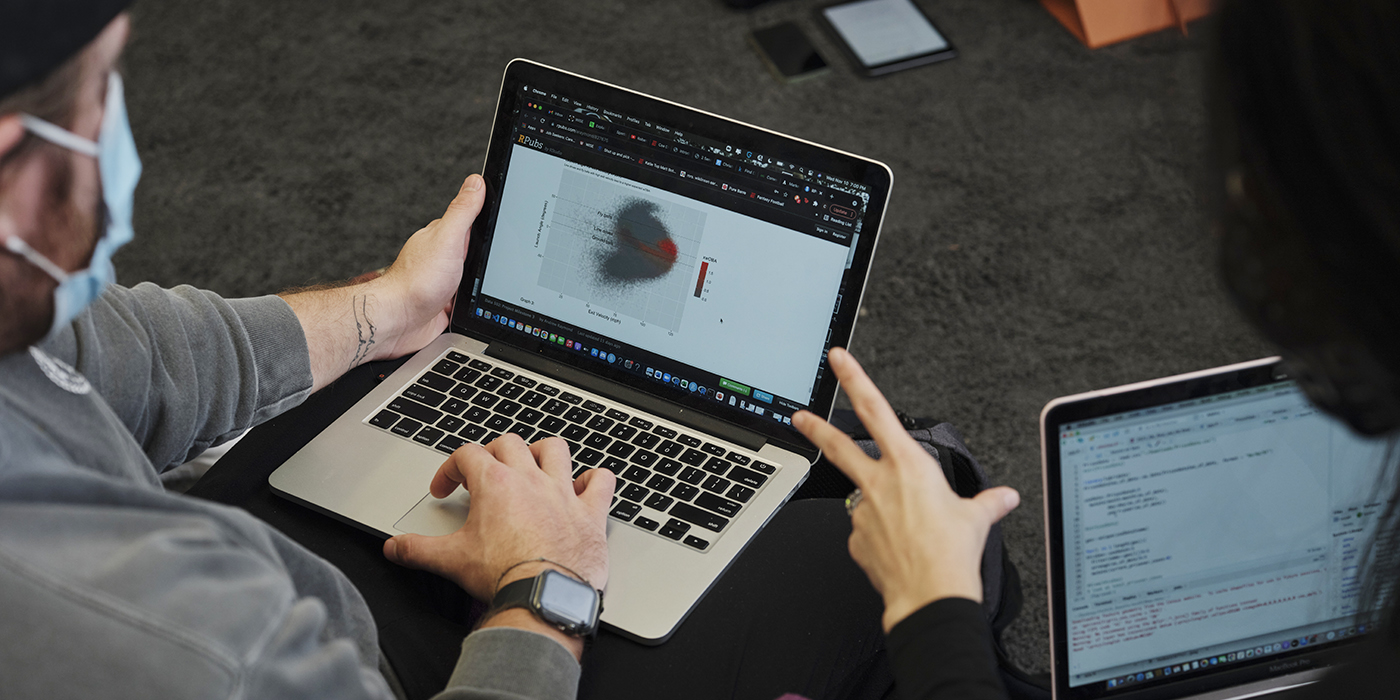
1306, 101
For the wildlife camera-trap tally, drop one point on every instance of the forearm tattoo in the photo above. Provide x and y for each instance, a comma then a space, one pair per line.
364, 330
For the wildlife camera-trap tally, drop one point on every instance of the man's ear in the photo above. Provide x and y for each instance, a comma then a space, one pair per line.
11, 132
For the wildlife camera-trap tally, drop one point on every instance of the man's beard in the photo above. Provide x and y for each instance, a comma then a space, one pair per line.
29, 311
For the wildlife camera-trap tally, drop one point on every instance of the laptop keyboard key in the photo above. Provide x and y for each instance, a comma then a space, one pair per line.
597, 441
407, 427
646, 441
477, 414
478, 364
529, 416
621, 449
665, 432
688, 440
463, 392
718, 504
453, 407
467, 374
488, 383
685, 492
696, 542
507, 408
428, 436
555, 407
446, 366
691, 475
617, 415
694, 458
646, 523
451, 424
659, 501
635, 473
740, 493
600, 423
645, 458
762, 468
415, 410
384, 419
502, 372
456, 356
715, 484
640, 423
635, 492
525, 382
671, 449
450, 444
594, 406
553, 425
747, 477
524, 431
436, 381
567, 397
498, 423
578, 415
474, 432
589, 456
511, 391
533, 399
660, 483
714, 449
699, 516
547, 390
717, 466
424, 395
614, 465
737, 458
623, 431
574, 432
625, 511
675, 529
667, 466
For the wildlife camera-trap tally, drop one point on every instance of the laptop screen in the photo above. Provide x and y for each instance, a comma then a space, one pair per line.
1212, 533
698, 264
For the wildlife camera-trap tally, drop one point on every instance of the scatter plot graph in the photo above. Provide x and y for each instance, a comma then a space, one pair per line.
619, 250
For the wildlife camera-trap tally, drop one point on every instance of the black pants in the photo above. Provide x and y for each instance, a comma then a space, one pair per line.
793, 614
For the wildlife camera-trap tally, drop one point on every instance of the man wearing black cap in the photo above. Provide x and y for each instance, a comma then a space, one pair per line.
111, 586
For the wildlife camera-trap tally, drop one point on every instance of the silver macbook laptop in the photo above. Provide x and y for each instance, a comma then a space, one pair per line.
1205, 536
654, 284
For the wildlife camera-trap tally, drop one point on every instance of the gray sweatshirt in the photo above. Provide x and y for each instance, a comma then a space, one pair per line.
111, 587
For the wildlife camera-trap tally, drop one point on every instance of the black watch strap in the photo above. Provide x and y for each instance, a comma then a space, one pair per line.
515, 594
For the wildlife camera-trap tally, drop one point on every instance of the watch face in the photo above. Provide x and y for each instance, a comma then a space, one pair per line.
566, 601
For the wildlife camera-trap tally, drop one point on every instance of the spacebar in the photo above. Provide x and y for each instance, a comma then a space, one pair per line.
696, 516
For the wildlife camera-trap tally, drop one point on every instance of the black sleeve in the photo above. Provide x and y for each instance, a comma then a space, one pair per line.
944, 650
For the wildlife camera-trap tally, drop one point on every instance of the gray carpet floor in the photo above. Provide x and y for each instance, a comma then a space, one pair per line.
1046, 234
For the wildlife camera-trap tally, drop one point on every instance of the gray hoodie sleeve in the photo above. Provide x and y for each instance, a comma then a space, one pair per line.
501, 663
185, 369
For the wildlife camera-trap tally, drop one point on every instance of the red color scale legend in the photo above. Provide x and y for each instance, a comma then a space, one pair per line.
700, 282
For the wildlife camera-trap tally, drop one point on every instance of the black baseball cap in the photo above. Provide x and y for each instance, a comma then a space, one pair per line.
36, 36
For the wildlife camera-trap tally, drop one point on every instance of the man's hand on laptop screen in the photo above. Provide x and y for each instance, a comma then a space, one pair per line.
915, 538
400, 311
525, 505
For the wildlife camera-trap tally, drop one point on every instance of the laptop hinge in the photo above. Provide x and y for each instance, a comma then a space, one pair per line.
643, 401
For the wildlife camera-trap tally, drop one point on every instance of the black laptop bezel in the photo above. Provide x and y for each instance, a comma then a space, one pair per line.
1287, 663
876, 176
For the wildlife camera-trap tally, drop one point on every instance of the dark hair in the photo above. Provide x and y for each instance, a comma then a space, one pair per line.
1306, 115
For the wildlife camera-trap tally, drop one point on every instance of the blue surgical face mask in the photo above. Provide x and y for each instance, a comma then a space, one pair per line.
120, 168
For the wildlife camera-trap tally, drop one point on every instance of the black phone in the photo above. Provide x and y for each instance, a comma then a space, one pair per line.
884, 36
788, 52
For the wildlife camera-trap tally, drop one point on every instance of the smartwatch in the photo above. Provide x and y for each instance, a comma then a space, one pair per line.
561, 601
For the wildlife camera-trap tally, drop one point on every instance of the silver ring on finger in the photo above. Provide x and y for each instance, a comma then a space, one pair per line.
852, 501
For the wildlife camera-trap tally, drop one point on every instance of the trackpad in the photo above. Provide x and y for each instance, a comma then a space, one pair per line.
436, 517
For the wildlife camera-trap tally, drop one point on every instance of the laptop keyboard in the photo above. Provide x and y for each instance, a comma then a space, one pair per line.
671, 483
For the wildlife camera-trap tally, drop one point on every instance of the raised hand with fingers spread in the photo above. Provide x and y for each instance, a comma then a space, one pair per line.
915, 538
